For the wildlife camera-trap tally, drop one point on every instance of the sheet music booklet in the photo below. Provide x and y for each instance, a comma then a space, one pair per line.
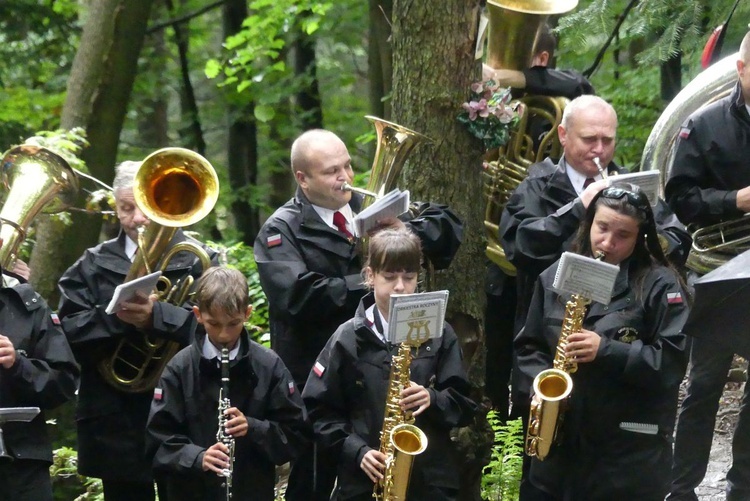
647, 181
415, 318
126, 292
586, 277
392, 204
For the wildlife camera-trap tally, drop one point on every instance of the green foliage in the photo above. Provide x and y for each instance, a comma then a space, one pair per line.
502, 476
66, 143
240, 256
253, 54
67, 483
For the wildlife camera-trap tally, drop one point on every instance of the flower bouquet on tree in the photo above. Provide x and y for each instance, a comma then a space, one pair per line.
489, 114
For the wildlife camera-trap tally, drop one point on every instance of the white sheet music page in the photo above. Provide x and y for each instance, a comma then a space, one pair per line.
647, 181
586, 277
125, 292
392, 204
415, 318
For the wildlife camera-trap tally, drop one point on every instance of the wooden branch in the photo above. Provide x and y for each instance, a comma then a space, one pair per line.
590, 71
185, 18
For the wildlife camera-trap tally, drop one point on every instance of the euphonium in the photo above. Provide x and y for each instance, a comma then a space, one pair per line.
173, 187
221, 434
36, 180
513, 31
716, 244
400, 440
553, 386
394, 145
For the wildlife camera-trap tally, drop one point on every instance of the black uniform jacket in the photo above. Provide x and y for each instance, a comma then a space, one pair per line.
312, 274
45, 374
553, 82
711, 163
634, 379
346, 402
184, 420
542, 217
111, 422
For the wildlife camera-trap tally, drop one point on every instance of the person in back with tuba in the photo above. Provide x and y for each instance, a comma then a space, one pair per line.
710, 184
111, 420
265, 418
347, 388
615, 439
309, 266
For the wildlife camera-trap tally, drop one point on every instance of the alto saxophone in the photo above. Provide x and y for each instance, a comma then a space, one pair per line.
221, 434
400, 440
553, 386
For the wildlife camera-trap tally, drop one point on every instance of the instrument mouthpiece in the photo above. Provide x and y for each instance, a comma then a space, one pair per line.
599, 167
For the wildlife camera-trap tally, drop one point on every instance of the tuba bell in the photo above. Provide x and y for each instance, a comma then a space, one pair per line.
514, 29
393, 146
716, 244
173, 187
36, 180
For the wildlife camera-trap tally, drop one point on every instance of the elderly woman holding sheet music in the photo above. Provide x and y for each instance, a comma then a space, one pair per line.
615, 439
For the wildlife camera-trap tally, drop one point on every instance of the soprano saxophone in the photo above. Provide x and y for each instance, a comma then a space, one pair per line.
400, 440
221, 434
553, 386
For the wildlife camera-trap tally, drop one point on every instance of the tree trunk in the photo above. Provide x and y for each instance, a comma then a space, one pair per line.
433, 67
380, 58
98, 93
242, 147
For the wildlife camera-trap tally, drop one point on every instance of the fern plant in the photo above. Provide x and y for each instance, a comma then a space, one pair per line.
502, 476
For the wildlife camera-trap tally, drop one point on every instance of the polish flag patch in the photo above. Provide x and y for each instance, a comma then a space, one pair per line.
55, 318
274, 240
158, 394
674, 298
684, 133
291, 387
319, 369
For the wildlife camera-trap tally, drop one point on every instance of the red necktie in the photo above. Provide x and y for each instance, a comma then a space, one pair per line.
340, 222
587, 182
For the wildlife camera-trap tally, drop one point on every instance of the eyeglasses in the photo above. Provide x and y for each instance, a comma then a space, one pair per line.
636, 199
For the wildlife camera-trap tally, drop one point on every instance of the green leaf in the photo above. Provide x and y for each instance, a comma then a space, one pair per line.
264, 113
212, 69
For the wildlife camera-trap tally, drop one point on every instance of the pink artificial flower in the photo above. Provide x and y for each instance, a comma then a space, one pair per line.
504, 114
477, 87
476, 108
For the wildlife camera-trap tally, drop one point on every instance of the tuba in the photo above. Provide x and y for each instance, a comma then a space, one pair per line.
36, 180
716, 244
173, 187
514, 28
394, 145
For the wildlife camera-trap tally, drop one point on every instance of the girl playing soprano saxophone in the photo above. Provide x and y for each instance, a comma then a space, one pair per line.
346, 391
266, 418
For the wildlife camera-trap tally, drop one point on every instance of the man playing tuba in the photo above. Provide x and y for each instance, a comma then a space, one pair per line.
111, 421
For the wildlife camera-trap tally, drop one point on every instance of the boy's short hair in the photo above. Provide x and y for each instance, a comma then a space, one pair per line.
222, 288
394, 250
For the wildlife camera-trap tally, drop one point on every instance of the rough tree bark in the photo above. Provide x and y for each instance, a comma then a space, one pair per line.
98, 93
433, 67
380, 57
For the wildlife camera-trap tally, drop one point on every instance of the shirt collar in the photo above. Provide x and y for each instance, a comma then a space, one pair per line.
370, 316
210, 352
576, 178
327, 216
130, 248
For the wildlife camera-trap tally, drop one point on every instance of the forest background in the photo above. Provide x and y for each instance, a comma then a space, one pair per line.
238, 80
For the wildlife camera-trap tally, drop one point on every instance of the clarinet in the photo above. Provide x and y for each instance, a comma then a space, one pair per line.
221, 434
